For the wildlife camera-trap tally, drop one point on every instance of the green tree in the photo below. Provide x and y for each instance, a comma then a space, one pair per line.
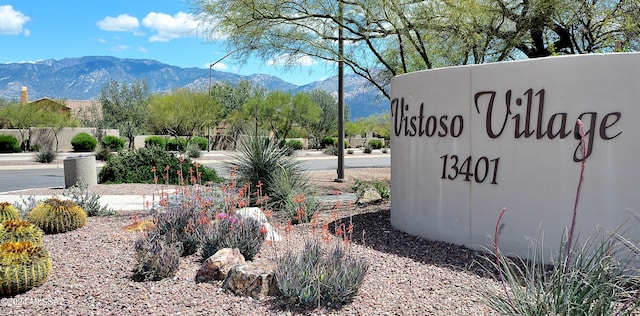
124, 107
23, 117
281, 110
236, 114
182, 112
327, 124
385, 38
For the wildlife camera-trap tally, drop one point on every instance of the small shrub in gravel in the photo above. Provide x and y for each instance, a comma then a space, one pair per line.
178, 224
367, 149
90, 202
46, 156
193, 150
318, 275
229, 231
156, 260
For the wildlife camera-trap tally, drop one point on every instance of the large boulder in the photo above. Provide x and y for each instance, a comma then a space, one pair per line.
255, 279
218, 266
370, 195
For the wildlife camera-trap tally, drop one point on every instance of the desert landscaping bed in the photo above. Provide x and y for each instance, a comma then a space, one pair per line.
92, 267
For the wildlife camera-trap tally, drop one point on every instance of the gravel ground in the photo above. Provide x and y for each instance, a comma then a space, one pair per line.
92, 266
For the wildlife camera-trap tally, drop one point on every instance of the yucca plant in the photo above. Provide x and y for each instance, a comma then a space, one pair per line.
20, 230
261, 159
23, 266
55, 216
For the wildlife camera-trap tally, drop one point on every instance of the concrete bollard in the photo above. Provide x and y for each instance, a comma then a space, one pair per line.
80, 168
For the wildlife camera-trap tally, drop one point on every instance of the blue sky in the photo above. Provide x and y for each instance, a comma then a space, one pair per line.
163, 30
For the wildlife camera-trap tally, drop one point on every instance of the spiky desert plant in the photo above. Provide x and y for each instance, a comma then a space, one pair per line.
20, 231
55, 216
23, 266
156, 260
8, 212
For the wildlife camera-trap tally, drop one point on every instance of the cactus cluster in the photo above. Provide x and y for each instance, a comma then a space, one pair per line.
20, 230
55, 216
8, 212
23, 266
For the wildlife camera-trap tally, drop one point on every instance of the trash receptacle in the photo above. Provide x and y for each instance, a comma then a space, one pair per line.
80, 168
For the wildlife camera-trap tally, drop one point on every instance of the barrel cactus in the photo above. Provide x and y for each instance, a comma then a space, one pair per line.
23, 266
57, 216
8, 212
20, 231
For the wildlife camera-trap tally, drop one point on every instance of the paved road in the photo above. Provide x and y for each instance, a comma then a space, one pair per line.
13, 180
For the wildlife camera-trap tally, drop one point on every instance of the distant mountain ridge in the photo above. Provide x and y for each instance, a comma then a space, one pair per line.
82, 79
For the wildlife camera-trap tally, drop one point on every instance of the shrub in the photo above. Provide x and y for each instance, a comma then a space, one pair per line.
113, 143
367, 149
178, 224
153, 164
360, 186
193, 151
46, 156
229, 231
156, 141
202, 142
260, 159
295, 144
57, 216
328, 141
103, 154
155, 259
349, 151
19, 230
295, 199
331, 150
375, 143
317, 275
23, 267
9, 144
26, 204
8, 212
90, 202
176, 144
385, 150
83, 142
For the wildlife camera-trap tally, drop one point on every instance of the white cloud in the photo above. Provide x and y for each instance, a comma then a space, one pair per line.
119, 48
102, 41
142, 49
170, 27
289, 60
12, 21
121, 23
219, 66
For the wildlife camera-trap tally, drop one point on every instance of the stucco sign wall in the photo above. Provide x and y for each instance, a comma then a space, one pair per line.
468, 141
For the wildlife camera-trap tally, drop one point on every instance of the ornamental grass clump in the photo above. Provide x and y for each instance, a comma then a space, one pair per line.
9, 212
231, 231
23, 266
323, 272
155, 258
599, 276
55, 216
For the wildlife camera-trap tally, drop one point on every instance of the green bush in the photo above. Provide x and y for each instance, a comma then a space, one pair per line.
9, 144
319, 276
202, 142
84, 142
176, 144
295, 144
113, 143
156, 141
367, 149
328, 141
103, 154
375, 143
136, 166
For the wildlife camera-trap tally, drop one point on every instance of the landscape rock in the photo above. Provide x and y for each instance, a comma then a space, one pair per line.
257, 214
369, 195
218, 266
255, 279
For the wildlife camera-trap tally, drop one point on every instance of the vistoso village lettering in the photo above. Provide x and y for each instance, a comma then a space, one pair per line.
521, 120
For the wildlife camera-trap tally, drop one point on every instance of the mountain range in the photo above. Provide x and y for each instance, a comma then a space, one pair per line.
83, 78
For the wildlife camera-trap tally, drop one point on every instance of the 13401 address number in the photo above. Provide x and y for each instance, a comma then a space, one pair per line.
480, 170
